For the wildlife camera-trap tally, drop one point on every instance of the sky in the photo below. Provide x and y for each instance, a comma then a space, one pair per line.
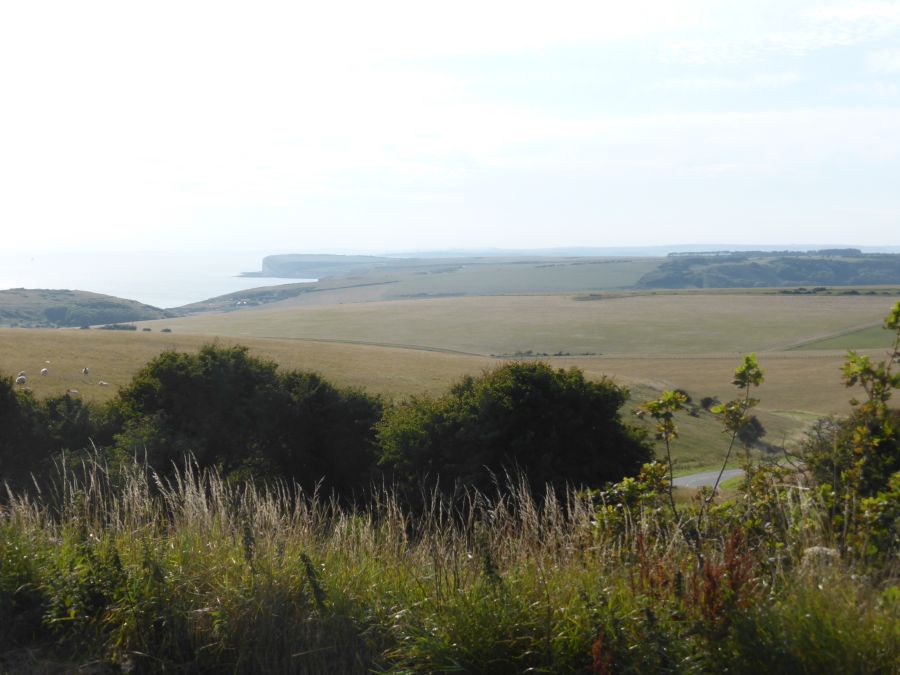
414, 125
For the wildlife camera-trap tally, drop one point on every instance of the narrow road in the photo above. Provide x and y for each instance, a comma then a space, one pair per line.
707, 478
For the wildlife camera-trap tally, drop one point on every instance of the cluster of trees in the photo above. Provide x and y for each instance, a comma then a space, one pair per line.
242, 415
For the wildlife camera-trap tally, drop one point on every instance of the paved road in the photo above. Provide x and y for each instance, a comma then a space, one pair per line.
696, 480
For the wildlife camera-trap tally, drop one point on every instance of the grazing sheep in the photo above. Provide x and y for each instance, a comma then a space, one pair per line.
103, 384
44, 371
85, 371
71, 391
21, 373
20, 379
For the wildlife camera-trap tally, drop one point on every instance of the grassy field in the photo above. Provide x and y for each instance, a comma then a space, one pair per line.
473, 276
701, 444
115, 356
505, 325
798, 384
872, 337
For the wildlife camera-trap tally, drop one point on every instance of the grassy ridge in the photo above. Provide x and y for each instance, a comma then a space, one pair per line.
51, 308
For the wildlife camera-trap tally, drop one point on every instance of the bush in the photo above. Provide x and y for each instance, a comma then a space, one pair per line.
860, 454
554, 426
237, 413
32, 432
831, 451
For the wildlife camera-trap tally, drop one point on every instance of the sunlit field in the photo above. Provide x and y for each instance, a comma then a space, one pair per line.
506, 325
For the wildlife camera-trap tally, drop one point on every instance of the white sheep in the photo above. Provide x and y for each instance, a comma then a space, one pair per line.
20, 379
85, 371
103, 384
44, 372
21, 373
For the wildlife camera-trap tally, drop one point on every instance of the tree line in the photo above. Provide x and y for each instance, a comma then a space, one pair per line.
244, 417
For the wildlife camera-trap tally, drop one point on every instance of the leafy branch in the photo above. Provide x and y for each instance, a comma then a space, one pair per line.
735, 413
663, 410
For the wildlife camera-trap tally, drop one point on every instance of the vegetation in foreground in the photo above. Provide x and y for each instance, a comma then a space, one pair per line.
122, 568
200, 575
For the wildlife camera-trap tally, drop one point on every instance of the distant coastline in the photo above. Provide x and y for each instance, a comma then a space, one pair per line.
159, 279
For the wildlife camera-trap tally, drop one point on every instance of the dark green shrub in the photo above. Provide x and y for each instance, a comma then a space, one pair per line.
237, 413
32, 432
553, 426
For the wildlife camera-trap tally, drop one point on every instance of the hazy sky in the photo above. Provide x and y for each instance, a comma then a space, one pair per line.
332, 125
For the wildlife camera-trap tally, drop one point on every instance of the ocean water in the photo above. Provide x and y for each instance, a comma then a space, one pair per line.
160, 279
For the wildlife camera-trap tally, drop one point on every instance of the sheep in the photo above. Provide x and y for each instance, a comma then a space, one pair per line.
85, 371
20, 380
44, 372
21, 373
71, 391
103, 384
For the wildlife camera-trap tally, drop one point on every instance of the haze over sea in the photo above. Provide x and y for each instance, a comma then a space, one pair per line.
161, 279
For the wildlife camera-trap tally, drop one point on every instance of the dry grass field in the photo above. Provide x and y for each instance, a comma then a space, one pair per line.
504, 325
115, 356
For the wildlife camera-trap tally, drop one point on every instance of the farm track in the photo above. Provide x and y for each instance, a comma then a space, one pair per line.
649, 356
778, 353
827, 336
366, 343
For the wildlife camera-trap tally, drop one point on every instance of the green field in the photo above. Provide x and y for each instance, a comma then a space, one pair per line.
871, 337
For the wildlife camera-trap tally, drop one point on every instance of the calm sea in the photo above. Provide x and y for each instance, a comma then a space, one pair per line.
155, 278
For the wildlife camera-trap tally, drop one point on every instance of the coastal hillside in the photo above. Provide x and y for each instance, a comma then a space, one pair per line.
40, 308
362, 279
760, 269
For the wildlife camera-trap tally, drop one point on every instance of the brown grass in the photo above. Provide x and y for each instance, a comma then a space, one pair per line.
115, 356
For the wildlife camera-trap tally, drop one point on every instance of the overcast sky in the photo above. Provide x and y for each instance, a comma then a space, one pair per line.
332, 125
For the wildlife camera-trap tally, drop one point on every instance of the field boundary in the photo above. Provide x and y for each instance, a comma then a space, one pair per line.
828, 336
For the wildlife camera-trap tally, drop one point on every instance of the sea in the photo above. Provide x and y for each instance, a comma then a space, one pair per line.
157, 278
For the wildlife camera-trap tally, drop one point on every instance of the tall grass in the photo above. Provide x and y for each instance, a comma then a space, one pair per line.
199, 574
